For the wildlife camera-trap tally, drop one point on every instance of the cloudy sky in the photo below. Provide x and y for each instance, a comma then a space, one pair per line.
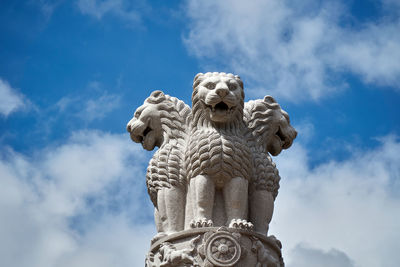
72, 186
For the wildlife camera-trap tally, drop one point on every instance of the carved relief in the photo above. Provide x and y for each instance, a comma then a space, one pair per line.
169, 256
222, 249
264, 256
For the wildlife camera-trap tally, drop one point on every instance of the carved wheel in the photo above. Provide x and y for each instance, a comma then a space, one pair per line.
222, 249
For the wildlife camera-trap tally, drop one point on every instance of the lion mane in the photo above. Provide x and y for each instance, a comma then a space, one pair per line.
265, 120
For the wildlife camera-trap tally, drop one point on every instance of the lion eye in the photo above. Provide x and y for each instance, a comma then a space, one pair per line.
210, 86
232, 86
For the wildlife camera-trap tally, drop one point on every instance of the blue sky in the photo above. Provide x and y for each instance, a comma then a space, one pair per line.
72, 73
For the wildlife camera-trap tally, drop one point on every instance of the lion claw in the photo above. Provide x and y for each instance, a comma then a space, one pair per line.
199, 223
241, 224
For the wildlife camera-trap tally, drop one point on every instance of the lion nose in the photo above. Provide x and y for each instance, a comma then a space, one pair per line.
129, 126
222, 90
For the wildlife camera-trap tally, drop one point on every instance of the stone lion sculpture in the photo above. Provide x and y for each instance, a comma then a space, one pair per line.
217, 155
213, 165
269, 132
161, 121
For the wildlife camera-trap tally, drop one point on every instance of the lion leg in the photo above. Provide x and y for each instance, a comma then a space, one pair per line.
157, 220
235, 194
203, 189
160, 216
189, 207
162, 224
261, 210
175, 209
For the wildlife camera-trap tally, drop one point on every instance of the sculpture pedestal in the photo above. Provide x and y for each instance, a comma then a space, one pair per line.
215, 246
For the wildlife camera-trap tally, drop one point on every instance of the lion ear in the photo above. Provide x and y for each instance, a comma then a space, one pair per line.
269, 99
197, 79
197, 76
157, 94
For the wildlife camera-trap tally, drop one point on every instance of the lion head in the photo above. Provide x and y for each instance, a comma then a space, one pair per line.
145, 126
217, 97
269, 124
161, 117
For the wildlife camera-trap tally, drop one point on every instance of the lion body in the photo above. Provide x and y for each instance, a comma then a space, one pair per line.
162, 121
218, 159
269, 131
219, 154
265, 175
264, 117
165, 170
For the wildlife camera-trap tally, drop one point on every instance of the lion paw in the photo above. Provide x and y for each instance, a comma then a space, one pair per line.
241, 224
201, 223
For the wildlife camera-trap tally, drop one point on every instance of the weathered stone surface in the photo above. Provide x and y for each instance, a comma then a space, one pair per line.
213, 168
212, 246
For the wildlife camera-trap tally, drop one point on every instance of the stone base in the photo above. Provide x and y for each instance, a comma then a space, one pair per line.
213, 246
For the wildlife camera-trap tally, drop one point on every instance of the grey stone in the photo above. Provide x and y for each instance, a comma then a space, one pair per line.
212, 169
213, 246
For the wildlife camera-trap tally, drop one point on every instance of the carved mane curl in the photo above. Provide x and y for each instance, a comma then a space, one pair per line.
175, 115
259, 115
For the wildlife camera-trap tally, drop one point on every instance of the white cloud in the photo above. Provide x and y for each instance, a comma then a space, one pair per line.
98, 108
83, 203
373, 52
47, 6
10, 99
303, 256
351, 206
78, 204
93, 104
118, 8
297, 48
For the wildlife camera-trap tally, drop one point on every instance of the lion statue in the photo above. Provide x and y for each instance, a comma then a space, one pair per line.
162, 121
217, 156
269, 132
213, 166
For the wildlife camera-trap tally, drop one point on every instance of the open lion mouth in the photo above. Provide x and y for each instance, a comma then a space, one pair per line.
139, 137
281, 136
142, 137
220, 107
146, 131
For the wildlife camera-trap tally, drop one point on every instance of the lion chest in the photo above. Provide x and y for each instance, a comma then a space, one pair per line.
165, 168
219, 155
